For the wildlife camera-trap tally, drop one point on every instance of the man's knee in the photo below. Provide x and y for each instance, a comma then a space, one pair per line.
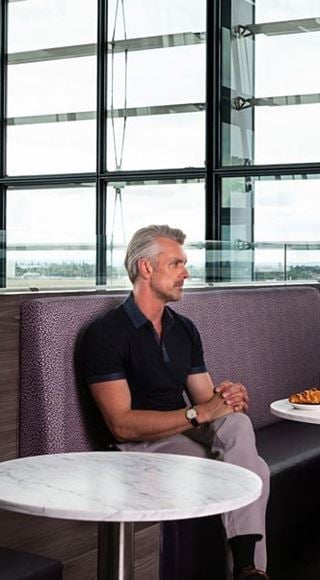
237, 427
264, 472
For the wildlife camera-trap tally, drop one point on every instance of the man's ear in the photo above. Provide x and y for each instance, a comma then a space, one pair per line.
145, 268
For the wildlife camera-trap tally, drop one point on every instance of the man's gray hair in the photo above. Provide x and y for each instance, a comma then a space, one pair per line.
143, 244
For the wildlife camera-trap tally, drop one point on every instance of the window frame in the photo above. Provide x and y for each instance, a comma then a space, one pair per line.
213, 172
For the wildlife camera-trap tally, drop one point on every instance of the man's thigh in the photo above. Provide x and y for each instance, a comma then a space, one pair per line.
176, 444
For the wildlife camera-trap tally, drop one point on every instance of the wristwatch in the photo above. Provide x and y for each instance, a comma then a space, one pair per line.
192, 416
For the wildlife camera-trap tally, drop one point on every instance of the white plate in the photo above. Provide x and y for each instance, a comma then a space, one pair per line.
311, 407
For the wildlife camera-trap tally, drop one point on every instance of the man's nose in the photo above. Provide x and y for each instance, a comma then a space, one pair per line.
185, 272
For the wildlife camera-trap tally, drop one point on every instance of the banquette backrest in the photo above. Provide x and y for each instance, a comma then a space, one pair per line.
266, 338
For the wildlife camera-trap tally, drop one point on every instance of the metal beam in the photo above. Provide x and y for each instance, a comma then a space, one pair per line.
239, 103
116, 113
131, 44
278, 28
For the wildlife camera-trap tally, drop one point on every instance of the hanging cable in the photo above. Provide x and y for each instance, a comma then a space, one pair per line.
118, 157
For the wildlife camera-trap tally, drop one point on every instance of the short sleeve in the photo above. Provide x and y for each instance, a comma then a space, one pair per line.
102, 354
197, 357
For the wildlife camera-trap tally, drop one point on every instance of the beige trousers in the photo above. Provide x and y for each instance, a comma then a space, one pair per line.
231, 439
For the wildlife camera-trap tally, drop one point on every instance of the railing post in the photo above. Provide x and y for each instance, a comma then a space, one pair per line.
285, 263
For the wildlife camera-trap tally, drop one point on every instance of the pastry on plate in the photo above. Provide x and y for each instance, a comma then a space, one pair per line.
307, 397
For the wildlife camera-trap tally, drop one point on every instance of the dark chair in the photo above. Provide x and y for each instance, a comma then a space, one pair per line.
16, 565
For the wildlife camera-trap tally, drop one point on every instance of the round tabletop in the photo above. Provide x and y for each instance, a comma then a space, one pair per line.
123, 487
285, 410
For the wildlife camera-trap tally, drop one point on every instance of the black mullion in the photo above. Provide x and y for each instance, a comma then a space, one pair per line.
3, 137
102, 85
210, 119
58, 180
216, 99
153, 174
3, 237
213, 194
102, 40
3, 85
101, 249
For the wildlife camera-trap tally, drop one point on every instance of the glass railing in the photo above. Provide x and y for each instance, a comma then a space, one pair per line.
49, 266
244, 262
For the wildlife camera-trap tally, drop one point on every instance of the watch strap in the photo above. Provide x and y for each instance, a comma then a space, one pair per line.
194, 421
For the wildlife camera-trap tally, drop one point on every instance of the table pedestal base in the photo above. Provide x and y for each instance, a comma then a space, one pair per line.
115, 551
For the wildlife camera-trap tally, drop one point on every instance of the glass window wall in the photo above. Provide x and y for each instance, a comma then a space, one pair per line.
131, 206
119, 113
271, 95
274, 223
156, 84
51, 237
51, 87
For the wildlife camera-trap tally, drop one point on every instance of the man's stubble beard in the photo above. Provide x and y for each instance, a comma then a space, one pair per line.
167, 296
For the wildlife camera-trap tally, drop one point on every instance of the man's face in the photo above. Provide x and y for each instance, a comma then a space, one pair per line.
168, 271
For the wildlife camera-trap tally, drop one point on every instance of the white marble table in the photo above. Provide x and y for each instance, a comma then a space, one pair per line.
283, 409
117, 487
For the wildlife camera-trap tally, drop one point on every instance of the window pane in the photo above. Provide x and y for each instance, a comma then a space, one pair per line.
156, 84
51, 237
131, 206
155, 18
145, 136
271, 101
278, 219
278, 10
51, 148
51, 87
51, 23
287, 210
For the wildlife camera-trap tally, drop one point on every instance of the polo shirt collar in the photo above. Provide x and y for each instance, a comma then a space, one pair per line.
137, 317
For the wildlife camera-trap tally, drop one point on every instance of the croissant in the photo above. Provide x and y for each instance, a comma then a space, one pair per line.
307, 397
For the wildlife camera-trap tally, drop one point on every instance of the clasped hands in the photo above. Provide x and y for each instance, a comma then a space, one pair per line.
234, 395
228, 397
213, 402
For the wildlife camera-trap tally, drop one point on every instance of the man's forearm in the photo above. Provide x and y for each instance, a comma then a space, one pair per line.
136, 425
127, 424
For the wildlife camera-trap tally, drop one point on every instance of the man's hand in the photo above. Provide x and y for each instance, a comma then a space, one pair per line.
214, 408
234, 394
213, 402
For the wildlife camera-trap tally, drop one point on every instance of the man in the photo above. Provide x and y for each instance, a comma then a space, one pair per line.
144, 364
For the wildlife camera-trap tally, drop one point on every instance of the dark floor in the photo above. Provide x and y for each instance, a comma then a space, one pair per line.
198, 555
296, 557
311, 572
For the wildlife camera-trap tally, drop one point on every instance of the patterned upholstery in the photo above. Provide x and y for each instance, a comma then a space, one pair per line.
52, 418
266, 338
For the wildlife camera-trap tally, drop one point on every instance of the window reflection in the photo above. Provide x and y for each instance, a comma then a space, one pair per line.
270, 100
277, 221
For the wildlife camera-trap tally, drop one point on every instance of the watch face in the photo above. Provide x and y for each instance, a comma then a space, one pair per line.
192, 413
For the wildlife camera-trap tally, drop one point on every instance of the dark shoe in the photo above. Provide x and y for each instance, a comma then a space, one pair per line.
251, 573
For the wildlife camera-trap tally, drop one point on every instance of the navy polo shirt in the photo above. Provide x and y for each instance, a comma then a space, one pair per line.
124, 345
